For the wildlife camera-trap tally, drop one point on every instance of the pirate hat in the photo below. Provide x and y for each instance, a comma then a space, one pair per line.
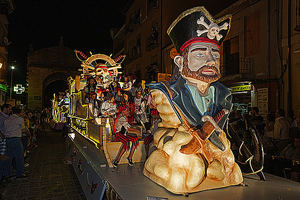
197, 25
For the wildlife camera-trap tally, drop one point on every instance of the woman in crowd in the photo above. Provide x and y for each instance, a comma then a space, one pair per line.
127, 102
89, 88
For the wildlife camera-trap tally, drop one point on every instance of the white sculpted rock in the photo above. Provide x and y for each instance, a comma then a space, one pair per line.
180, 173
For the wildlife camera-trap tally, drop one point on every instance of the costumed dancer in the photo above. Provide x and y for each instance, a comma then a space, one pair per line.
140, 110
154, 115
127, 102
108, 111
149, 136
127, 84
95, 104
121, 134
89, 88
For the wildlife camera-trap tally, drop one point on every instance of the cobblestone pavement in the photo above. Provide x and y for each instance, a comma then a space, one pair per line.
48, 176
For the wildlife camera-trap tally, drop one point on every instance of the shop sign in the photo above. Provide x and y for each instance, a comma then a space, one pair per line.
19, 89
3, 87
240, 88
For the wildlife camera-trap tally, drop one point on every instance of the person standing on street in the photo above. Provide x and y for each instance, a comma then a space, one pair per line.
4, 114
14, 126
281, 130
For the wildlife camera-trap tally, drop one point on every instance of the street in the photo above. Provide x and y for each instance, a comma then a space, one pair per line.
48, 176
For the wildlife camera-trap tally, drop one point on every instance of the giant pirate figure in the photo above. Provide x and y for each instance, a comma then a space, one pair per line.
193, 152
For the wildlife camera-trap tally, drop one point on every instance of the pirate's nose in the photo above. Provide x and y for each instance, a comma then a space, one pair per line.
211, 61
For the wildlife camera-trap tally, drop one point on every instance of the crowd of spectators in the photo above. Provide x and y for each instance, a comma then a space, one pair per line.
19, 129
282, 144
280, 136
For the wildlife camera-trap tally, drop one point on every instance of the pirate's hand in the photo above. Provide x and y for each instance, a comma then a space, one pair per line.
195, 144
207, 129
192, 147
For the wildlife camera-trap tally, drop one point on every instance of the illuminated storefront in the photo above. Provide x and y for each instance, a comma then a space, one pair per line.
3, 90
246, 95
243, 96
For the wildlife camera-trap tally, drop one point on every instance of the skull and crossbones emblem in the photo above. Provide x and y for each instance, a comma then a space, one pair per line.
212, 30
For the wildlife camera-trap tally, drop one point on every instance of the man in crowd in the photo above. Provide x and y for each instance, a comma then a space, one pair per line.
109, 111
281, 130
95, 104
6, 110
258, 120
14, 126
89, 88
108, 107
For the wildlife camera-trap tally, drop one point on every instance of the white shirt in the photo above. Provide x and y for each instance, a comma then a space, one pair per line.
122, 121
281, 128
139, 106
109, 108
202, 102
13, 126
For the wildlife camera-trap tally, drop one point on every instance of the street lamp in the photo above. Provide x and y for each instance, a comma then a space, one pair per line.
11, 79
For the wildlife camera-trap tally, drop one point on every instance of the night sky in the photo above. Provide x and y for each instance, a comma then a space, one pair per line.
84, 25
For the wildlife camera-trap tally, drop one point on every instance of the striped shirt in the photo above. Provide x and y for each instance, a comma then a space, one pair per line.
3, 117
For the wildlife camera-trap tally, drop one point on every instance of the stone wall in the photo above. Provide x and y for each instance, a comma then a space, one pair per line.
46, 66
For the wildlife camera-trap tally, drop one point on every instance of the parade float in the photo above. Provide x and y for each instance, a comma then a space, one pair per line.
60, 111
98, 129
196, 147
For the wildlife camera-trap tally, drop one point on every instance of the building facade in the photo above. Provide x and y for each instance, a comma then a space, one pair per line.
255, 55
290, 53
257, 50
143, 37
48, 68
6, 7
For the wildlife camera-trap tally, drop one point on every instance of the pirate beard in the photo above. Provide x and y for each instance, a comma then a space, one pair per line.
199, 75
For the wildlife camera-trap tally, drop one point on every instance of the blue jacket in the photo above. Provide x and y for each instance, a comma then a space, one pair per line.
184, 106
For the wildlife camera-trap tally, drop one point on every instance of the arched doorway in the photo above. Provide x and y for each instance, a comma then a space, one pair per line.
54, 87
54, 83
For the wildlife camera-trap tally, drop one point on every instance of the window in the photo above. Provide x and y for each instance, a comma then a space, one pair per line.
152, 40
152, 4
137, 17
231, 56
135, 49
134, 19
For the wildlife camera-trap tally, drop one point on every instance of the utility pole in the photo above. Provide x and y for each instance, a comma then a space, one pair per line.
11, 80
